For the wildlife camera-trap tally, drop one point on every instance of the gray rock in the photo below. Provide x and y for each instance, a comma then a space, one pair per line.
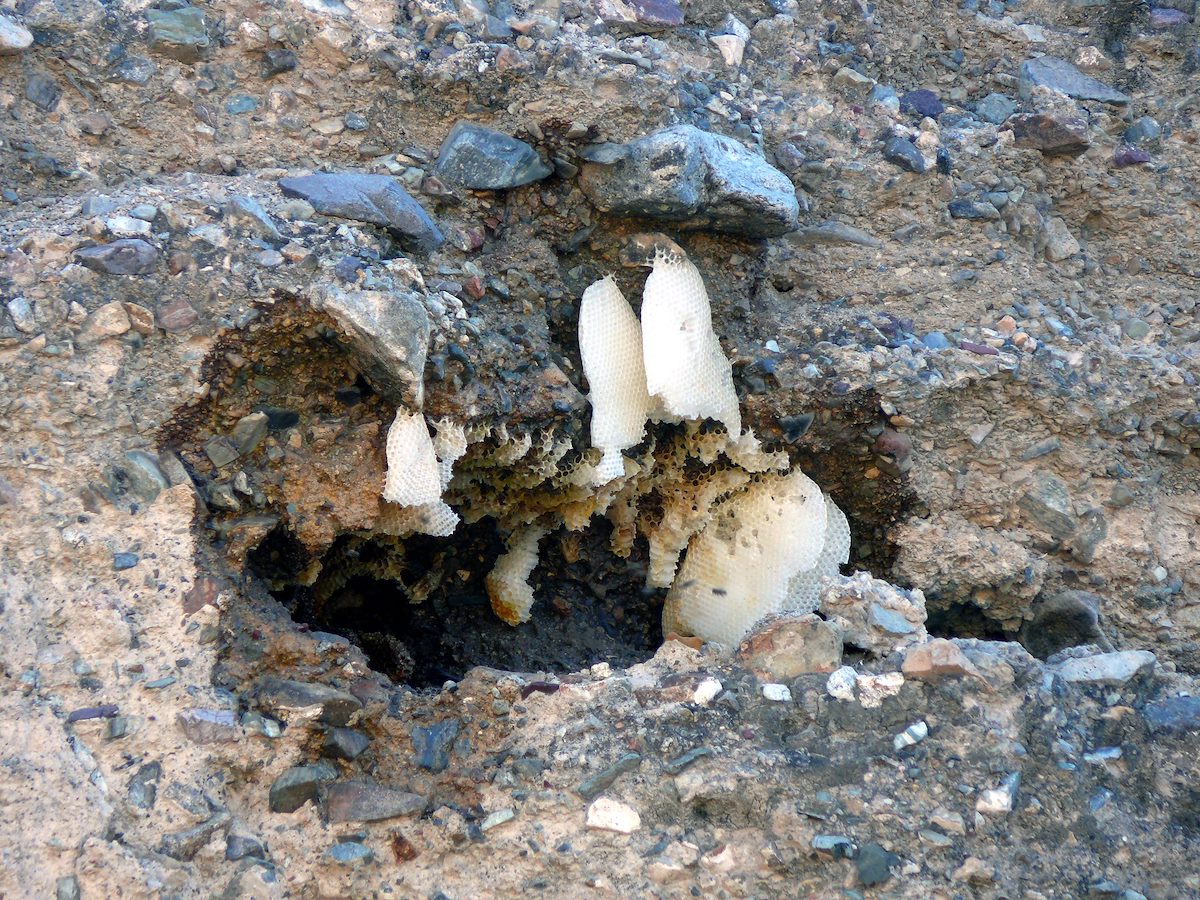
483, 159
1048, 504
22, 315
43, 91
350, 853
66, 888
362, 801
249, 432
183, 845
246, 212
375, 199
390, 333
935, 340
1135, 329
1107, 668
144, 476
143, 786
834, 233
128, 256
209, 726
14, 37
276, 62
603, 780
345, 743
700, 180
1060, 75
295, 787
904, 154
281, 696
1175, 715
432, 744
1145, 129
639, 16
221, 451
241, 846
973, 209
178, 33
995, 108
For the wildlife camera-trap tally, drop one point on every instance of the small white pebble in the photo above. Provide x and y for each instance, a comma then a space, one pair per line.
777, 692
611, 815
706, 691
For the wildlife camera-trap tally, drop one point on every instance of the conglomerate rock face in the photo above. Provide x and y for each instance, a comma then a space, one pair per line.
950, 253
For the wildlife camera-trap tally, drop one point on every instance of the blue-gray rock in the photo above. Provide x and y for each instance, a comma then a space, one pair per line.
483, 159
700, 180
350, 853
209, 726
220, 451
375, 199
965, 208
241, 846
1067, 619
390, 334
345, 743
247, 213
178, 33
874, 864
1144, 129
935, 340
889, 620
66, 888
295, 787
1059, 75
281, 696
123, 561
432, 744
904, 154
43, 91
128, 256
133, 70
362, 801
995, 108
923, 102
1175, 715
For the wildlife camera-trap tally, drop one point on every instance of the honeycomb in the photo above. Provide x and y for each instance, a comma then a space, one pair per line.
412, 470
686, 369
610, 345
508, 583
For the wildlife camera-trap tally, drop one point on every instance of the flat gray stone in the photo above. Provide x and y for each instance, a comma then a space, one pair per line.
128, 256
249, 431
1107, 668
702, 181
833, 232
1059, 75
247, 213
374, 199
281, 696
209, 726
362, 801
295, 787
481, 158
1048, 504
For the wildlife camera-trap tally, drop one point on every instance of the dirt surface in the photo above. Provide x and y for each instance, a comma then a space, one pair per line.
228, 671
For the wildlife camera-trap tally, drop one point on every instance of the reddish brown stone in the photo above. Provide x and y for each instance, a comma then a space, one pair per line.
202, 593
786, 646
177, 315
936, 660
1053, 135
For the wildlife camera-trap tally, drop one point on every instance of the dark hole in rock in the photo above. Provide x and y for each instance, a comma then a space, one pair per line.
419, 609
963, 620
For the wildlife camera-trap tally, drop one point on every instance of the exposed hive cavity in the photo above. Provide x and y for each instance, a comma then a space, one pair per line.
740, 567
686, 370
412, 471
508, 583
610, 345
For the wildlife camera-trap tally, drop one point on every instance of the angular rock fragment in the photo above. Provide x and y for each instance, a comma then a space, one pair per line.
783, 647
179, 32
1059, 75
700, 180
1107, 668
1053, 134
481, 158
374, 199
295, 787
362, 801
331, 706
128, 256
872, 614
15, 37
